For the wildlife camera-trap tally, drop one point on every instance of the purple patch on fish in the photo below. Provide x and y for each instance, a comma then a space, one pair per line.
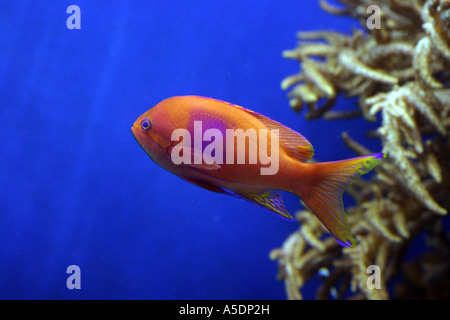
207, 122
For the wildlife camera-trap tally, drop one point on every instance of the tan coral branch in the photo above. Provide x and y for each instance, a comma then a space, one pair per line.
401, 75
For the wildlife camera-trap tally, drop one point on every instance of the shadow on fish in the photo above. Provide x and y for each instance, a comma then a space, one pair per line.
228, 149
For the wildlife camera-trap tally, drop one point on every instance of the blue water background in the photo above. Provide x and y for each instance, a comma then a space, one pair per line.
76, 188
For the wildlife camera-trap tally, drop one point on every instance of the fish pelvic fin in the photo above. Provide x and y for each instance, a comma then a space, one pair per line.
327, 183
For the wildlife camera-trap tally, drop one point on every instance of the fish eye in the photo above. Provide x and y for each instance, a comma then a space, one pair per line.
146, 124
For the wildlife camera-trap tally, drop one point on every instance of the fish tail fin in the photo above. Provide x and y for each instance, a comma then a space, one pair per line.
326, 184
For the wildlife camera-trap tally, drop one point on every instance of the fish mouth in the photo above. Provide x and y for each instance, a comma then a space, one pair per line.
146, 142
143, 139
134, 130
137, 134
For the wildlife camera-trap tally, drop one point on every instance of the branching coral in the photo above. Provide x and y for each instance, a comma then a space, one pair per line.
400, 73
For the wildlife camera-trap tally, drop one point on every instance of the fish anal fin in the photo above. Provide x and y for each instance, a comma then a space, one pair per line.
270, 200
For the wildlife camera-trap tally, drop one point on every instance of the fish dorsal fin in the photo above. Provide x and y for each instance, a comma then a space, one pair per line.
294, 144
270, 200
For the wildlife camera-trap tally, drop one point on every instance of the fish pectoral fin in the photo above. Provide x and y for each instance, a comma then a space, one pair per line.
205, 166
207, 162
270, 200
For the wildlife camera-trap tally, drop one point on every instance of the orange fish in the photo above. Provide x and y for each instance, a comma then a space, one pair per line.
226, 148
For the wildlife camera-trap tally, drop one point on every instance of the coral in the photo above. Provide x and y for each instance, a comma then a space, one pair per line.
400, 74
